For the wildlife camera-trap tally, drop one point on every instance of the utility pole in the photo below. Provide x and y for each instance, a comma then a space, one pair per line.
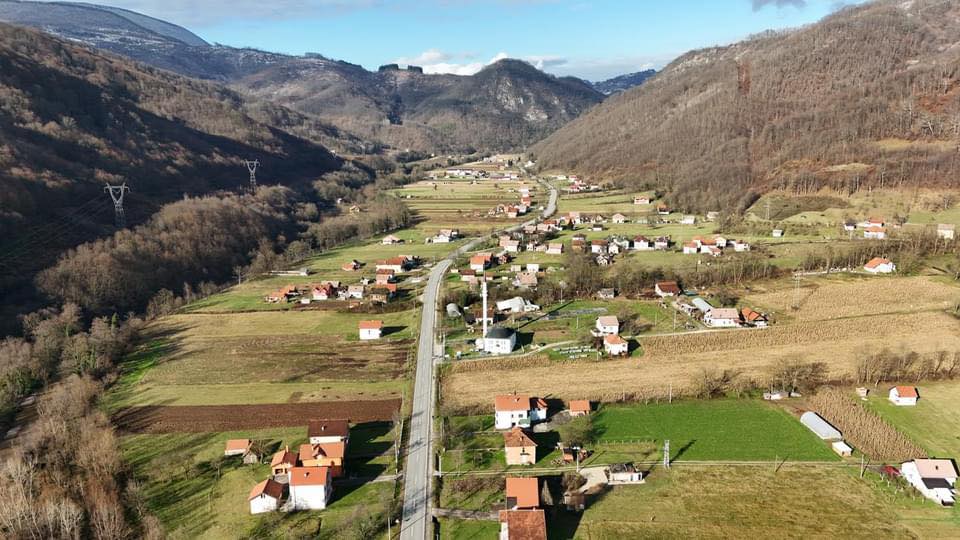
116, 194
252, 167
768, 209
666, 454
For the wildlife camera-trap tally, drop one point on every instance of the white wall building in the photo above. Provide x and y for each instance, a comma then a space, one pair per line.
518, 410
310, 488
499, 341
936, 479
903, 396
608, 325
370, 330
722, 318
265, 496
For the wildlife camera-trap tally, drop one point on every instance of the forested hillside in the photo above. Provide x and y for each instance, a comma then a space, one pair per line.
869, 96
73, 120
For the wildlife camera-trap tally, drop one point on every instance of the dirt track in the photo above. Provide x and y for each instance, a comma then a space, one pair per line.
215, 418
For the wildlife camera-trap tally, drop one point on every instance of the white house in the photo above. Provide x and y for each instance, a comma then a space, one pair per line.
946, 230
598, 246
936, 479
619, 218
740, 246
875, 232
370, 330
390, 240
265, 496
310, 488
641, 200
667, 288
328, 431
688, 220
691, 248
518, 410
355, 291
662, 242
499, 341
608, 325
642, 243
722, 318
615, 345
904, 396
879, 265
555, 248
511, 246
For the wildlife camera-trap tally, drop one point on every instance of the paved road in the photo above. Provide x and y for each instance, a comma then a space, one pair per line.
418, 471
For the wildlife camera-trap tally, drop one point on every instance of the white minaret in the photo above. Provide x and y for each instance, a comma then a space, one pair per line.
484, 313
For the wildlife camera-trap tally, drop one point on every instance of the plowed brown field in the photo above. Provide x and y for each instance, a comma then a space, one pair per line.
215, 418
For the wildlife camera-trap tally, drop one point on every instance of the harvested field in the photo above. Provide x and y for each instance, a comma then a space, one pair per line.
216, 418
835, 297
675, 360
246, 359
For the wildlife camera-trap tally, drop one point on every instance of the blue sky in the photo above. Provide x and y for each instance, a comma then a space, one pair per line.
593, 39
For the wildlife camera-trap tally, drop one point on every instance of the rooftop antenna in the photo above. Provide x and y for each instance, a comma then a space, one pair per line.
116, 194
252, 167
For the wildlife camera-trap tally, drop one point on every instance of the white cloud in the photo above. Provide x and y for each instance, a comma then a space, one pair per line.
593, 69
437, 61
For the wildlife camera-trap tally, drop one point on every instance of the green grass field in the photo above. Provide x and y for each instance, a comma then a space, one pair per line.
197, 493
462, 529
755, 502
735, 430
934, 423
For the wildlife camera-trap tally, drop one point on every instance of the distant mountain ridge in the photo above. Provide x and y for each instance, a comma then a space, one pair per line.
869, 96
506, 106
622, 83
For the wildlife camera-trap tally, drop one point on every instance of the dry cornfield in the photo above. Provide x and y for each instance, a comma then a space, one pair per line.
670, 363
832, 298
863, 429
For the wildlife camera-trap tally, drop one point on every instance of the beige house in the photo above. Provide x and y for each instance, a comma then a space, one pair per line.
519, 447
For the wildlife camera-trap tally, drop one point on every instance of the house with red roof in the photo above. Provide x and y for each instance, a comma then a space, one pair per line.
904, 396
265, 496
879, 265
518, 410
310, 487
370, 330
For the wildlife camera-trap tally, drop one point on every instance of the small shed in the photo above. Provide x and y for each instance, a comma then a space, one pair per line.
820, 427
842, 449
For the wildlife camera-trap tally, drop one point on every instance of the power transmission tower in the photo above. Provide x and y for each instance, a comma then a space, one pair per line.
116, 194
252, 167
